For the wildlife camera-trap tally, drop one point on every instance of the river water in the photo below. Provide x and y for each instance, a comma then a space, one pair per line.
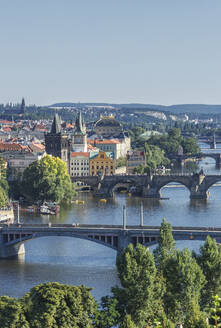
76, 261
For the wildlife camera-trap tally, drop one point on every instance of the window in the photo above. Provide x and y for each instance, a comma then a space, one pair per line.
102, 156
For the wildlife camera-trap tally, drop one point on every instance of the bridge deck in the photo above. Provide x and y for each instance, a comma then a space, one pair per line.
95, 227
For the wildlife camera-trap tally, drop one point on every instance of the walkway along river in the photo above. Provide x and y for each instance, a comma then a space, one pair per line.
76, 261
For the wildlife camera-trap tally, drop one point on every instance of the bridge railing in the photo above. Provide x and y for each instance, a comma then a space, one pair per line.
108, 226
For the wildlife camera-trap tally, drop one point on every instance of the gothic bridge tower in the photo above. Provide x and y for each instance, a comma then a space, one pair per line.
56, 142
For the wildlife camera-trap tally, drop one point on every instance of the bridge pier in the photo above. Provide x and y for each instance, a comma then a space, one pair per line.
10, 250
151, 192
123, 240
199, 194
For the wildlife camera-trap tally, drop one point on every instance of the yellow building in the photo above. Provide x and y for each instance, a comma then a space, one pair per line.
102, 163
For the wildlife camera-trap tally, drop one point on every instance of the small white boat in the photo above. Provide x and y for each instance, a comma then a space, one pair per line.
45, 210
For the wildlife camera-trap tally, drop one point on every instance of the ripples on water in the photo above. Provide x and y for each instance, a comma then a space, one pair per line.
76, 261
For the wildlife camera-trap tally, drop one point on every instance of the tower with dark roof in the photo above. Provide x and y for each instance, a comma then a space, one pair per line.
57, 143
79, 137
56, 125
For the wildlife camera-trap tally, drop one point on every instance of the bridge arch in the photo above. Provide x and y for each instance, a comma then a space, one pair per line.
108, 241
121, 186
211, 182
179, 182
126, 184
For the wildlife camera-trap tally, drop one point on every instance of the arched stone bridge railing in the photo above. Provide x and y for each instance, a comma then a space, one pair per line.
12, 238
150, 185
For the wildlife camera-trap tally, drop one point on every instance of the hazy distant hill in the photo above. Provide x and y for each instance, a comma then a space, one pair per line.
185, 108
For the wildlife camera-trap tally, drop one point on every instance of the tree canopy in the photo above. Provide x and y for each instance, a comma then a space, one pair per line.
47, 179
51, 305
3, 184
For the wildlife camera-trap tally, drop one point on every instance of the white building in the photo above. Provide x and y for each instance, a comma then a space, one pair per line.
17, 162
79, 164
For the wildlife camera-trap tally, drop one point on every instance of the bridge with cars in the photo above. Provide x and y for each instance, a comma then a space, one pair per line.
14, 236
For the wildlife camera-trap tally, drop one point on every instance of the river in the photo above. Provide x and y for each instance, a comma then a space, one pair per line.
76, 261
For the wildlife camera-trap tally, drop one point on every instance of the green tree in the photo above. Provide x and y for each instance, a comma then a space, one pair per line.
190, 146
12, 313
55, 305
154, 157
108, 315
141, 295
175, 133
121, 161
47, 179
3, 197
185, 281
127, 322
215, 312
4, 188
195, 318
209, 260
166, 246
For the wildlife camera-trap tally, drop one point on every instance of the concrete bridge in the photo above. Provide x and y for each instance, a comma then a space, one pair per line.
150, 185
13, 237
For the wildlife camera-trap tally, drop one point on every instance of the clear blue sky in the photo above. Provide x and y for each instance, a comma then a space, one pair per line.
147, 51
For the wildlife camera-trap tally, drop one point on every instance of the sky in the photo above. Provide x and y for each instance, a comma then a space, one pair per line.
116, 51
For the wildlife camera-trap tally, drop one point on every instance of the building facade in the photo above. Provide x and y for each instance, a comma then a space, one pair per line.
135, 158
108, 126
18, 162
79, 164
101, 163
119, 147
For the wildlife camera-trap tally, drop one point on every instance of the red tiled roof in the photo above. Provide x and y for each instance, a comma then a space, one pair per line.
6, 122
80, 153
6, 129
11, 146
91, 148
36, 147
105, 141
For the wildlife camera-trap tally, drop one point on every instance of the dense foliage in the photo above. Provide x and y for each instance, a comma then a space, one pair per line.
171, 142
160, 149
3, 184
164, 290
47, 179
154, 159
159, 290
120, 162
50, 305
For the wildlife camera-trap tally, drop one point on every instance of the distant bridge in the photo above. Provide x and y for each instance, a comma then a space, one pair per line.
183, 158
150, 185
211, 141
13, 237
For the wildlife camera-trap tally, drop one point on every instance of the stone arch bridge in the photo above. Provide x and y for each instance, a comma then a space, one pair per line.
150, 185
13, 237
181, 159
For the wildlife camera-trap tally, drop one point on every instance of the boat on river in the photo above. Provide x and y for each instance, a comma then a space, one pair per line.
45, 210
49, 208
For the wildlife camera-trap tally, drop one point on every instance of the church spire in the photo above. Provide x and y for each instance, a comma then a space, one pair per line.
79, 124
56, 125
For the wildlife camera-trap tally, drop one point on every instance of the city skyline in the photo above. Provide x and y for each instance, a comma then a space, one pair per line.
148, 52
